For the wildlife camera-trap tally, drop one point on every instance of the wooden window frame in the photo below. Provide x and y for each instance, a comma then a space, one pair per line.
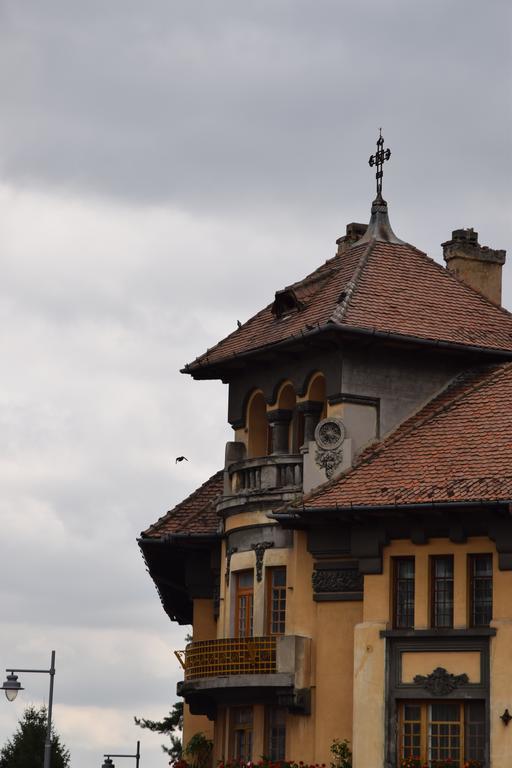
433, 602
472, 557
270, 711
269, 573
239, 593
395, 563
247, 728
464, 722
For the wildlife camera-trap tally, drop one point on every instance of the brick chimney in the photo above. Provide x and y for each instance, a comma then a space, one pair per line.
354, 233
475, 264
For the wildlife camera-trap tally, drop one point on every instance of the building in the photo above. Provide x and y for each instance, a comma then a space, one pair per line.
348, 574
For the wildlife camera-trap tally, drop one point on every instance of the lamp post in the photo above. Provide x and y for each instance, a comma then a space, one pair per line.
11, 687
107, 763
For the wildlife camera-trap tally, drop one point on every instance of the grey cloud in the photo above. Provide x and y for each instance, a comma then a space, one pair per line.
220, 104
166, 166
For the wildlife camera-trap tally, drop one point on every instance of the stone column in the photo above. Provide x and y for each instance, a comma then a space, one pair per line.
279, 421
311, 411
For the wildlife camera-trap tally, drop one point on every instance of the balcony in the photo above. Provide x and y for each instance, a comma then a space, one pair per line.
262, 481
252, 669
238, 656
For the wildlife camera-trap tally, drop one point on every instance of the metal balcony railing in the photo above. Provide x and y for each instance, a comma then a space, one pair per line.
230, 656
266, 473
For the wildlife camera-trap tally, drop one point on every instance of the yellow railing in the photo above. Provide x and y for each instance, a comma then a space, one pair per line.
234, 656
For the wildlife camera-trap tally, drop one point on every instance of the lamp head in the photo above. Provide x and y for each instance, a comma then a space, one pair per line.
11, 687
107, 763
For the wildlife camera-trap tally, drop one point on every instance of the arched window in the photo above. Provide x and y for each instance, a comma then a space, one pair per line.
257, 426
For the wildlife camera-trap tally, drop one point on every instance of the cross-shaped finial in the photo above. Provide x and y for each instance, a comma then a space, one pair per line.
378, 160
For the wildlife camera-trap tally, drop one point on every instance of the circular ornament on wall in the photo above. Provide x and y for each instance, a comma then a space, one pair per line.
330, 433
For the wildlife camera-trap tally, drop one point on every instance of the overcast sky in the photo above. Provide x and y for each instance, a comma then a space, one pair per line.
165, 166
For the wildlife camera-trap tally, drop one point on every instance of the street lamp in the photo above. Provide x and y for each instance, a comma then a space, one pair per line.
107, 763
11, 687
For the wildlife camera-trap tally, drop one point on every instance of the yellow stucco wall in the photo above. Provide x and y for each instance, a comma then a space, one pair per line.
423, 662
348, 654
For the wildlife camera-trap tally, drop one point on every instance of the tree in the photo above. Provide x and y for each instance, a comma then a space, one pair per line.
170, 724
26, 748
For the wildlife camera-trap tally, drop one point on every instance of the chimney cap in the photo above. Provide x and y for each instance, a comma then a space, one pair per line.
464, 245
467, 235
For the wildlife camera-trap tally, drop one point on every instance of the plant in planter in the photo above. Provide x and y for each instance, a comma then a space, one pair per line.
412, 762
341, 753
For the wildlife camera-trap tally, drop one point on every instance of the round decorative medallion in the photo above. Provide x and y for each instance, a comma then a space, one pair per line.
330, 433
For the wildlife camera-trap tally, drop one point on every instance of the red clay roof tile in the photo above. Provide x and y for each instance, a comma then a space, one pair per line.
194, 515
456, 448
390, 288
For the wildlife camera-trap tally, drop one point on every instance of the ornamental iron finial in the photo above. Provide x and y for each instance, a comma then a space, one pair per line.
377, 160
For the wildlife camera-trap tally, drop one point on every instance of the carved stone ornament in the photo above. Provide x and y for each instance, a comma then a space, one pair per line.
259, 549
328, 461
337, 580
440, 682
329, 433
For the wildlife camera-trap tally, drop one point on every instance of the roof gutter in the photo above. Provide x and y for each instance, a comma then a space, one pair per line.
350, 330
171, 538
418, 507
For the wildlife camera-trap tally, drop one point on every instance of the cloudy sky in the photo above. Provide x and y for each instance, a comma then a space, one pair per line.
165, 166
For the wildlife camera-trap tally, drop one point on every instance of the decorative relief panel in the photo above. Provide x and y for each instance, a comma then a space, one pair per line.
337, 581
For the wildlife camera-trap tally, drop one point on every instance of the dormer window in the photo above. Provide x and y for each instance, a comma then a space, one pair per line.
285, 303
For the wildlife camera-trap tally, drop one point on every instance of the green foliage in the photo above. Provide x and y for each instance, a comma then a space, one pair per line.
199, 750
172, 725
341, 753
26, 748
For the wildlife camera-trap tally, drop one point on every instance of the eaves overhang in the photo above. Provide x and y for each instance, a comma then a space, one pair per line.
354, 511
168, 562
336, 332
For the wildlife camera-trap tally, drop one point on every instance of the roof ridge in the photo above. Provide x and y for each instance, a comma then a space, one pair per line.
482, 376
375, 449
339, 311
318, 274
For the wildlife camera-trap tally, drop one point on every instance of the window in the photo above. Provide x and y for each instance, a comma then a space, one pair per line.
445, 731
276, 601
442, 731
275, 733
403, 592
241, 719
480, 590
442, 591
244, 604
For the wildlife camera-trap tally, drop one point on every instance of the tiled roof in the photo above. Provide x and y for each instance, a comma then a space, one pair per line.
195, 515
377, 286
458, 448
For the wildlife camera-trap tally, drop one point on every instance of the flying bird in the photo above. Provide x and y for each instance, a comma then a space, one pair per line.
181, 458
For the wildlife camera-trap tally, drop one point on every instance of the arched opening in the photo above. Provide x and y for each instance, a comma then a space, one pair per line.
316, 393
286, 398
314, 408
257, 426
287, 406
